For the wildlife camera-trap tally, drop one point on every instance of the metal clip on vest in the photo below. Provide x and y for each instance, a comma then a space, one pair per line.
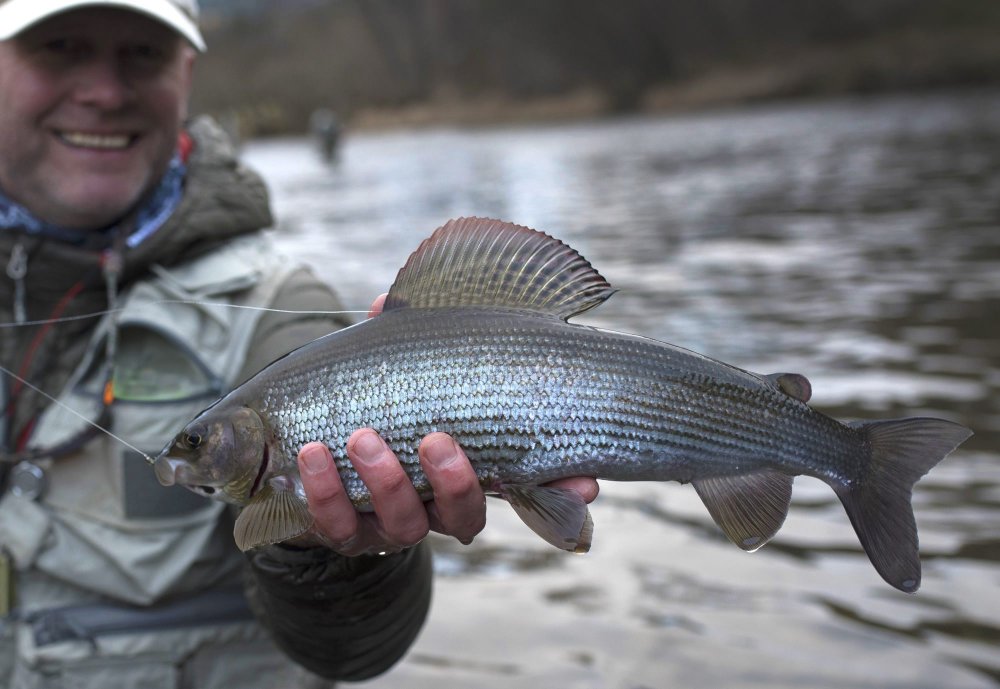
27, 480
17, 268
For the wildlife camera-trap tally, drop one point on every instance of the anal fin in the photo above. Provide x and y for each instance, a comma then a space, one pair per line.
749, 508
558, 515
272, 516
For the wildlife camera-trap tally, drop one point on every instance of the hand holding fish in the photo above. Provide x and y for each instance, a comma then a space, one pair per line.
400, 518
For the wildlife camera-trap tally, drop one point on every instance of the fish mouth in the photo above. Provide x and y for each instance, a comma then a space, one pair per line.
173, 471
264, 462
167, 469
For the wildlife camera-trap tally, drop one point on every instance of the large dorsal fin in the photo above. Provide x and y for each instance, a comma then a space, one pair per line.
480, 262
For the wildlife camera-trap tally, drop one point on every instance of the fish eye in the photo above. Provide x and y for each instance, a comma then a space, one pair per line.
193, 438
207, 490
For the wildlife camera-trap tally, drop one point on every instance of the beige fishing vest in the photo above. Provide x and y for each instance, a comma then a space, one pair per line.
104, 525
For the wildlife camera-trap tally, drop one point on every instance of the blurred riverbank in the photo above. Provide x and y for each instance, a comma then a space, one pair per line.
911, 62
383, 64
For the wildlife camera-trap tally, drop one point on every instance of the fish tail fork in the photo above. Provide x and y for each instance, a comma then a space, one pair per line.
878, 501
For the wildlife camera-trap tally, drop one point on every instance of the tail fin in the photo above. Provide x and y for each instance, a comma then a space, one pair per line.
878, 501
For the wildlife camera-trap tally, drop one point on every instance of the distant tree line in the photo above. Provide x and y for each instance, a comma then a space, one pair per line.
272, 67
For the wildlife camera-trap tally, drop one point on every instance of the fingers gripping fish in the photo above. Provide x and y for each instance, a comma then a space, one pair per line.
474, 340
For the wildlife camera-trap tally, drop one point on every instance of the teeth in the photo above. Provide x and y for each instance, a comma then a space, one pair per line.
102, 141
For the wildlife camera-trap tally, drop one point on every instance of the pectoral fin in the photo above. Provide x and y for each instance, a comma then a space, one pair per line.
272, 516
558, 515
749, 508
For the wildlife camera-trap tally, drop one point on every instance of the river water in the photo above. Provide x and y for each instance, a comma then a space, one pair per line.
854, 241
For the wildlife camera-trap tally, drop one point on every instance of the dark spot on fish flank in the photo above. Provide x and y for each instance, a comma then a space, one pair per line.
207, 490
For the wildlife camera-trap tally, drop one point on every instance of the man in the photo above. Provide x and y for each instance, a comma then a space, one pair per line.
107, 200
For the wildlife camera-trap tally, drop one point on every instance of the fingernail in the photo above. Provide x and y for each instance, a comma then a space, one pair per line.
368, 447
440, 451
314, 459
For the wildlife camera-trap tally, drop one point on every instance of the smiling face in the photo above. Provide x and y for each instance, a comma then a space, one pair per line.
93, 101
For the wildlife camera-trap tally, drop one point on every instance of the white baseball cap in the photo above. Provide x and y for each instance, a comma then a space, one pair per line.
179, 15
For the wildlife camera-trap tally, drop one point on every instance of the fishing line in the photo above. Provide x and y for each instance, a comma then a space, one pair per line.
251, 308
193, 302
75, 412
98, 314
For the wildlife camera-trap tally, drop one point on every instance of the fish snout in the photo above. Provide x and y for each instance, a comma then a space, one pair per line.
168, 469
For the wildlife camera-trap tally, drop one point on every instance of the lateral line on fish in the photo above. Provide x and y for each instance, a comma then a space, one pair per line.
75, 413
195, 302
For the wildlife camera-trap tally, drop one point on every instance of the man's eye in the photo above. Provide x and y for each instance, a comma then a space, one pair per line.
145, 51
145, 54
65, 46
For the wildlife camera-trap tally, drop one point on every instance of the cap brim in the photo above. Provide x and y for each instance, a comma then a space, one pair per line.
18, 15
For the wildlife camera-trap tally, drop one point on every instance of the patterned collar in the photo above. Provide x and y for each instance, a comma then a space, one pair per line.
149, 218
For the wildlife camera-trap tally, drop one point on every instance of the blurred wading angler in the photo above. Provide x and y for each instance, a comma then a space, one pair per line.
473, 341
